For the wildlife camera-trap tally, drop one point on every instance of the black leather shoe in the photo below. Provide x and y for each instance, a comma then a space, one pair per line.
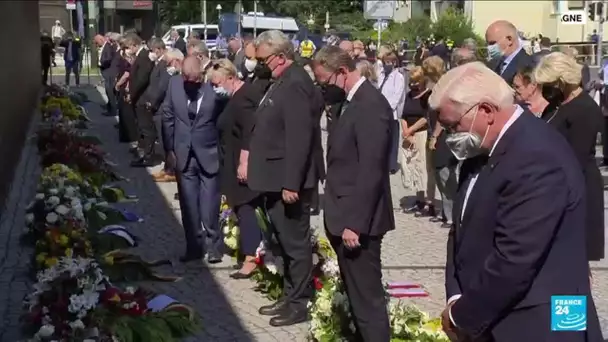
290, 317
214, 257
447, 225
190, 257
142, 162
315, 211
274, 309
238, 275
436, 219
176, 196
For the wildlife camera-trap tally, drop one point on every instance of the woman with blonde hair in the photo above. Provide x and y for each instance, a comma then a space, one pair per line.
368, 71
235, 124
575, 115
414, 124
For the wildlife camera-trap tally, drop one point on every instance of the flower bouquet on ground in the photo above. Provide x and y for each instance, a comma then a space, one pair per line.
331, 318
229, 225
126, 267
67, 239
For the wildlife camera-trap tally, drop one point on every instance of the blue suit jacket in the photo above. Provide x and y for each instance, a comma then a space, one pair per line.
521, 238
182, 136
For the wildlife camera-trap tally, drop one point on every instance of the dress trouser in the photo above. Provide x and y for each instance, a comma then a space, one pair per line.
394, 150
291, 224
147, 129
250, 232
69, 68
361, 272
45, 74
447, 183
199, 201
127, 123
111, 105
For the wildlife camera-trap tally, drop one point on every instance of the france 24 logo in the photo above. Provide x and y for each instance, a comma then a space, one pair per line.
573, 18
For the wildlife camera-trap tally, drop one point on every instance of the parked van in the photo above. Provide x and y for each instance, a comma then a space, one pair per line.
185, 29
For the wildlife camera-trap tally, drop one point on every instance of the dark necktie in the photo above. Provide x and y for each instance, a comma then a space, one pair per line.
500, 65
344, 107
192, 109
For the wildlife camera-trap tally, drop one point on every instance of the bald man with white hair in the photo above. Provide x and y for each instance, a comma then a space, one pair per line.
518, 237
505, 50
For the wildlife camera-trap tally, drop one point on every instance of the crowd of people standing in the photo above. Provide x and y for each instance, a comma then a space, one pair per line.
526, 191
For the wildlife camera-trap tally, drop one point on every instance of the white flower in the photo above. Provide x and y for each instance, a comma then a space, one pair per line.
130, 290
51, 218
226, 229
330, 268
53, 201
46, 331
62, 210
271, 268
87, 206
39, 196
29, 218
53, 191
77, 325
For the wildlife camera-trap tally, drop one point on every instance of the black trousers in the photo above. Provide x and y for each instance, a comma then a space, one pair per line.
291, 223
112, 104
147, 129
361, 272
250, 232
605, 140
45, 74
127, 123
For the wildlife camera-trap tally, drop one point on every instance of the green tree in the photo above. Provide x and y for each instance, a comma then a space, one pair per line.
453, 24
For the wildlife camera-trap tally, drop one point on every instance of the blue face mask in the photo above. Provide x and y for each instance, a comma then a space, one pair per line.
494, 51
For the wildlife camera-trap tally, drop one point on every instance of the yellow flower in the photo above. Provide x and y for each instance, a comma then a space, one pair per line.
69, 252
40, 258
63, 240
50, 262
108, 259
225, 207
75, 233
115, 298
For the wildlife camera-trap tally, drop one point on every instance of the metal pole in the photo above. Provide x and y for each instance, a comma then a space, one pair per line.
71, 21
90, 62
600, 33
379, 22
204, 14
239, 16
255, 18
92, 25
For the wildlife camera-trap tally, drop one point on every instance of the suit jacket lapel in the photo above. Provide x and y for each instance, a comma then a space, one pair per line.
207, 94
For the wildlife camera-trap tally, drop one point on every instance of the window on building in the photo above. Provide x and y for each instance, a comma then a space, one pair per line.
557, 6
421, 8
576, 4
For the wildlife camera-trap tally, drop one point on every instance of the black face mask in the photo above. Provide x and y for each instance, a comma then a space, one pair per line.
388, 68
191, 89
262, 71
332, 94
553, 95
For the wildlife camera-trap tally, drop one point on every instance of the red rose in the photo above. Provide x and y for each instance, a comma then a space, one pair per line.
259, 261
318, 283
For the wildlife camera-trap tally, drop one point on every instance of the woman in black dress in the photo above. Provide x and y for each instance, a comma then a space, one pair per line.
574, 113
235, 124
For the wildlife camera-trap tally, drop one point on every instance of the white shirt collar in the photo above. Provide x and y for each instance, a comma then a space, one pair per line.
138, 51
515, 116
354, 89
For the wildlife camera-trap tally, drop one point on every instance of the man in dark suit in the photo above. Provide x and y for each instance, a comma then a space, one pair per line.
139, 80
108, 50
191, 138
179, 42
71, 57
545, 49
358, 205
282, 167
236, 54
505, 50
517, 239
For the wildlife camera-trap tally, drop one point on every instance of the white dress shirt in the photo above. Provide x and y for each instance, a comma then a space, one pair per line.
353, 90
393, 90
515, 116
100, 51
198, 103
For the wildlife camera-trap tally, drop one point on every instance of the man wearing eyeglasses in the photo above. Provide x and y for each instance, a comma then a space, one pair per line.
284, 165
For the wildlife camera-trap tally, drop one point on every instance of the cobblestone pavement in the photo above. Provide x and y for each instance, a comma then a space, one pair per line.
415, 252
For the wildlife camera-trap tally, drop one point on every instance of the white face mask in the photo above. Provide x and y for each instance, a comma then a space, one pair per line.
172, 70
250, 64
465, 145
153, 57
220, 91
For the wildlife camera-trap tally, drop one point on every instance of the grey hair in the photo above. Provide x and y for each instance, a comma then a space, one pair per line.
470, 44
132, 39
200, 47
114, 36
462, 56
173, 54
278, 42
332, 58
156, 43
108, 34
